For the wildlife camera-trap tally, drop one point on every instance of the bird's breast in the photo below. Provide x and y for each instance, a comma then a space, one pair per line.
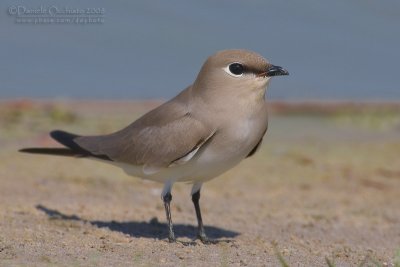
241, 138
227, 148
234, 142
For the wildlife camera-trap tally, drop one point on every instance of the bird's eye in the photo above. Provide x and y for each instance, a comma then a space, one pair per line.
235, 69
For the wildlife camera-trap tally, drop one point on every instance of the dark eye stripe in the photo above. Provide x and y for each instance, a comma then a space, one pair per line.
239, 69
254, 70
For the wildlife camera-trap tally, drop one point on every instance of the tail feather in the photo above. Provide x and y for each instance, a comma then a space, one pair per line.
72, 149
52, 151
67, 139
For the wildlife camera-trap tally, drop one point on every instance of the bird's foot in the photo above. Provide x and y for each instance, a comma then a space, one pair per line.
205, 240
171, 239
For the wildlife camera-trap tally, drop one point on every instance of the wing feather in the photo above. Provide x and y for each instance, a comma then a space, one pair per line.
158, 139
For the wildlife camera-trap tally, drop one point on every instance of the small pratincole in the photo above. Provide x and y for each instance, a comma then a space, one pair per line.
204, 131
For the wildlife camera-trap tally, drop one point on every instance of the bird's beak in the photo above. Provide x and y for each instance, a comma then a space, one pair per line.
275, 71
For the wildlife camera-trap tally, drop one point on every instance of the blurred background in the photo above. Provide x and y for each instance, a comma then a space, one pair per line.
324, 184
340, 50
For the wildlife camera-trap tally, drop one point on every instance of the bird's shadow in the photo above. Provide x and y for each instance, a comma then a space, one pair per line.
151, 229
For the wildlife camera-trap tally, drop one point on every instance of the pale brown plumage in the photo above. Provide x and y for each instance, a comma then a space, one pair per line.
159, 138
205, 130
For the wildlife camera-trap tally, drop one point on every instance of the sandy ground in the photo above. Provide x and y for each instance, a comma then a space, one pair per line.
323, 186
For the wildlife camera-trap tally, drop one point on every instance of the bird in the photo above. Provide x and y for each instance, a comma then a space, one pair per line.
202, 132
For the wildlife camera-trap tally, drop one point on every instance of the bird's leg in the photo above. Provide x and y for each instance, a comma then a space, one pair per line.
201, 233
167, 200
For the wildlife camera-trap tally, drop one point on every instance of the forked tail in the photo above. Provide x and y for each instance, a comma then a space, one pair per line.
72, 149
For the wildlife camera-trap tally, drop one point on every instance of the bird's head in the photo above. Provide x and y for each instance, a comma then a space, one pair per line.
239, 72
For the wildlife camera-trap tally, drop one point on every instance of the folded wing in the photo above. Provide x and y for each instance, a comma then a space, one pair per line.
166, 136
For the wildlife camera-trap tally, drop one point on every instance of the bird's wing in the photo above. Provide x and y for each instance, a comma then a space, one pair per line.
166, 136
258, 145
255, 149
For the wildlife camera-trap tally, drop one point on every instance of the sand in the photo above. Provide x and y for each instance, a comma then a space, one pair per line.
323, 189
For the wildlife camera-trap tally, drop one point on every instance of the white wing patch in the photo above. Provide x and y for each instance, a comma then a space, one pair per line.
185, 158
191, 154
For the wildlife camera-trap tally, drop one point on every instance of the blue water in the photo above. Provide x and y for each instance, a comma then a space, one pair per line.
152, 49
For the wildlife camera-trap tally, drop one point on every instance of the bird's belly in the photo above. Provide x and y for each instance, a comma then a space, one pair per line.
211, 164
223, 152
